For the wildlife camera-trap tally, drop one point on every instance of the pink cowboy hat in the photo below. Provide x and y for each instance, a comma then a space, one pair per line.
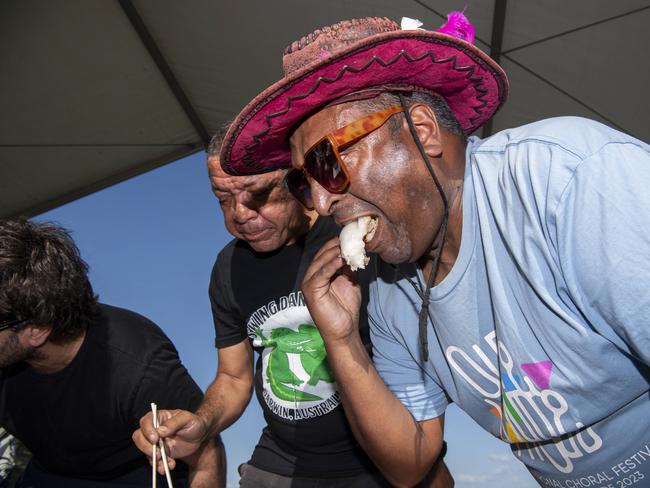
362, 54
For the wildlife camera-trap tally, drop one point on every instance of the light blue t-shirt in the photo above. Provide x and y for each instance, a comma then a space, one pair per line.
542, 326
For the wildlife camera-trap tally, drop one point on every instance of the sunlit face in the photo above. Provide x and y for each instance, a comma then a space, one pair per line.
12, 351
388, 181
258, 209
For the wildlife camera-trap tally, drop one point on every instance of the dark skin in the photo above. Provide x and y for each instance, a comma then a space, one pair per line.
390, 182
259, 210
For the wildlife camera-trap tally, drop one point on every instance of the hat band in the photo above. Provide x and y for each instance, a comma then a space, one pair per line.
466, 72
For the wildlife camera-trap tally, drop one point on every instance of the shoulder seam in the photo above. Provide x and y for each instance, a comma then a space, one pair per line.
501, 149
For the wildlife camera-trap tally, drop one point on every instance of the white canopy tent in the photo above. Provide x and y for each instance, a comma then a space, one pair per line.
93, 92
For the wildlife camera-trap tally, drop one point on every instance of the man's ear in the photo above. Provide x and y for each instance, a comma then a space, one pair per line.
34, 335
427, 128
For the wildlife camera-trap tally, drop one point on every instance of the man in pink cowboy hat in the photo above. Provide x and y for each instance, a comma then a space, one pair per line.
257, 307
514, 270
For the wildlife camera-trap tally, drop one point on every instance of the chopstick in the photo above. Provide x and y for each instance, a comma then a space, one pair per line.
154, 468
156, 424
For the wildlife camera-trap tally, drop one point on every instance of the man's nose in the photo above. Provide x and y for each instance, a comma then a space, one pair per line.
244, 210
322, 199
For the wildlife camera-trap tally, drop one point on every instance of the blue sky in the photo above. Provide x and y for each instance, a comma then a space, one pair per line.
151, 242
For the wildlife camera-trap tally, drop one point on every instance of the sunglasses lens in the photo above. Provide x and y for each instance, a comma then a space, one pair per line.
322, 163
298, 185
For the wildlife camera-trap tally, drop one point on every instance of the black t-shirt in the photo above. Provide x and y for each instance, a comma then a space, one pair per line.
78, 422
256, 296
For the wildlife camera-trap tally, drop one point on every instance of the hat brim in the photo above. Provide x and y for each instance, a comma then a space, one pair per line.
473, 85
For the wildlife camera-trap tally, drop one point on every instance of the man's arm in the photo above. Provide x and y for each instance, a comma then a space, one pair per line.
210, 469
402, 448
186, 434
229, 394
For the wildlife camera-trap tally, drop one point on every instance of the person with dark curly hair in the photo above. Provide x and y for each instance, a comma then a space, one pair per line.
76, 375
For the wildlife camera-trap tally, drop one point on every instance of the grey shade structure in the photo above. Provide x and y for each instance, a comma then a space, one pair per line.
96, 91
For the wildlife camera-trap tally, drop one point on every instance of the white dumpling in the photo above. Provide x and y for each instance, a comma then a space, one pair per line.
353, 245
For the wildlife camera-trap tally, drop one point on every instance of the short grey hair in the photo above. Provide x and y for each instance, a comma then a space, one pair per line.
214, 148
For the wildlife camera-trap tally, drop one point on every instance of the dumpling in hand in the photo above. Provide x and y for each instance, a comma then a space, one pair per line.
353, 240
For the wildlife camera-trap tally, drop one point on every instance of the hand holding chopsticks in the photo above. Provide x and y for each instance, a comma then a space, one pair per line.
156, 424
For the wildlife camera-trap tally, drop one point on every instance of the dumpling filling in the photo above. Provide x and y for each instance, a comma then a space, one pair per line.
353, 240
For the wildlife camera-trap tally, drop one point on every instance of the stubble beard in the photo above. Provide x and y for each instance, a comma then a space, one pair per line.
400, 248
13, 352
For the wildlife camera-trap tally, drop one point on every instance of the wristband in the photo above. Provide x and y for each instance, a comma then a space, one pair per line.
443, 451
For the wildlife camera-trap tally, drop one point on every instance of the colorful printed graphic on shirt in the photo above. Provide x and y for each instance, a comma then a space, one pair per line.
297, 380
527, 408
7, 453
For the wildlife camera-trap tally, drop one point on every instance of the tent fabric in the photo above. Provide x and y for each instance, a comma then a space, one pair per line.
93, 92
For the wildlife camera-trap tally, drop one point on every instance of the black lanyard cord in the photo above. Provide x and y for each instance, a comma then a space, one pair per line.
424, 295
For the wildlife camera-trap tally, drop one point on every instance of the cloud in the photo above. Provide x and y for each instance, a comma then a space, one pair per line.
470, 478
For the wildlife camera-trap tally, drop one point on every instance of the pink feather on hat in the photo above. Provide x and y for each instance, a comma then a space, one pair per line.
458, 26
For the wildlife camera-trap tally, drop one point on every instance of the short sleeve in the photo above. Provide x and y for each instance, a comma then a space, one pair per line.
228, 324
603, 225
414, 386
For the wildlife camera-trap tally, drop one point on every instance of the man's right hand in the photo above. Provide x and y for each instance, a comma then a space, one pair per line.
183, 433
332, 295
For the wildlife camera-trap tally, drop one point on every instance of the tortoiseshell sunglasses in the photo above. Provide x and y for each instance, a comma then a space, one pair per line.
323, 161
